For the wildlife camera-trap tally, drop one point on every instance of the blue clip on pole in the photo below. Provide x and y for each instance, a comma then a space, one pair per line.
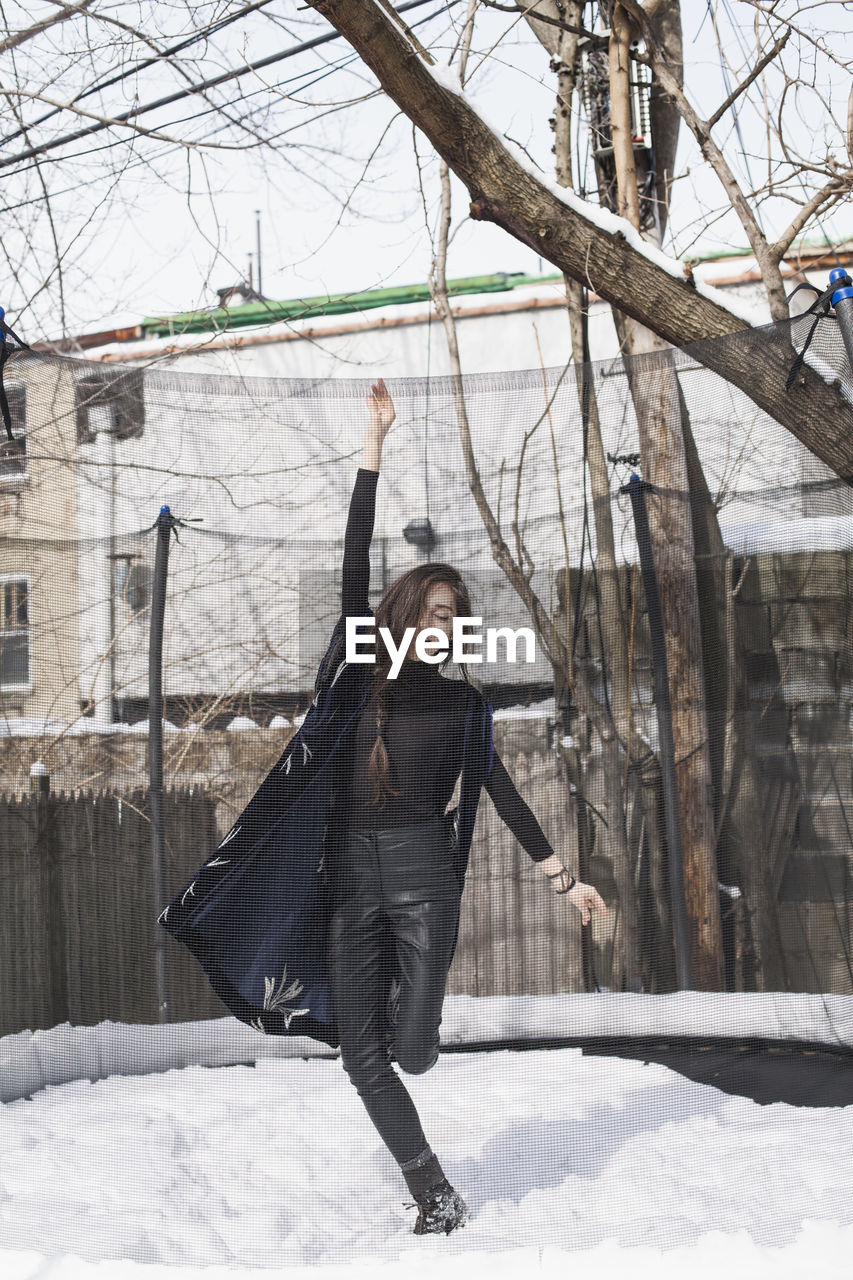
842, 301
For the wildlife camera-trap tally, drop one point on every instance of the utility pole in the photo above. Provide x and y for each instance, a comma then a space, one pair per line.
624, 153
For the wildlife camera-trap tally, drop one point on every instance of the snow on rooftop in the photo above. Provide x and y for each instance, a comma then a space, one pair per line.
817, 533
535, 711
38, 727
388, 314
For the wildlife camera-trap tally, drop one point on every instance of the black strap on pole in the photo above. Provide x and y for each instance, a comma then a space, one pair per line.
165, 526
5, 351
636, 489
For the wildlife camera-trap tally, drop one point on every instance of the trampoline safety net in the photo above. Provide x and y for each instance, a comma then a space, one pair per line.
678, 716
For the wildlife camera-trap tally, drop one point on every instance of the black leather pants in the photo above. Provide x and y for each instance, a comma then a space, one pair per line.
396, 909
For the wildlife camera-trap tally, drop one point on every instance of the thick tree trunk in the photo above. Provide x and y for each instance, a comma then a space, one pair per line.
740, 817
627, 969
575, 783
655, 393
665, 120
628, 963
585, 245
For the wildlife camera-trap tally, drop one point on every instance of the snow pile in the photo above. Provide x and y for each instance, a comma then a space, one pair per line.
37, 727
824, 1019
33, 727
570, 1165
806, 533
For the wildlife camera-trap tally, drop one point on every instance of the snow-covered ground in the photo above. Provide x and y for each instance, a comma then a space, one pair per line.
571, 1165
580, 1162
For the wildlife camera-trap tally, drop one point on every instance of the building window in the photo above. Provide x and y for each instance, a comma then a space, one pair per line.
111, 401
14, 633
13, 453
132, 582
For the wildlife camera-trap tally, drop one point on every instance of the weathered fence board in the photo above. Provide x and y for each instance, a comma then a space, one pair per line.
78, 925
516, 936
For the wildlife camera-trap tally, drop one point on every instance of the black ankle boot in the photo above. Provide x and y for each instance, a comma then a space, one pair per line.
440, 1208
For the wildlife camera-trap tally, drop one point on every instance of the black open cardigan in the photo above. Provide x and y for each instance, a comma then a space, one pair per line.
255, 915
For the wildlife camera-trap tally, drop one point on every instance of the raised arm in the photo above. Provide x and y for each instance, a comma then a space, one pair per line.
359, 530
520, 819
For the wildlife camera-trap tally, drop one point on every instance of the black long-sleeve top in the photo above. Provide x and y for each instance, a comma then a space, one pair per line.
426, 721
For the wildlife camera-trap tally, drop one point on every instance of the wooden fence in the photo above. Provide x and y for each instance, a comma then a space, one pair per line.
77, 922
78, 927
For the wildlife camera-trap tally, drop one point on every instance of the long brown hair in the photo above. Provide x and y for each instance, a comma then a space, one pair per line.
402, 606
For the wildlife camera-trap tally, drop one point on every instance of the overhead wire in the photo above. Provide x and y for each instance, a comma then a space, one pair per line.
328, 69
170, 52
170, 148
339, 65
202, 86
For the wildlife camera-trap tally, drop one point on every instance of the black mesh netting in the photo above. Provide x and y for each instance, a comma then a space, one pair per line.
752, 551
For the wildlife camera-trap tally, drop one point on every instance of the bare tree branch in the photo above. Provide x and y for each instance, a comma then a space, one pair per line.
741, 88
712, 153
578, 239
533, 12
833, 190
66, 11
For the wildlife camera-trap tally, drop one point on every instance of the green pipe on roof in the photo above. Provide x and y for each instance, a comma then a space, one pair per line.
268, 312
744, 251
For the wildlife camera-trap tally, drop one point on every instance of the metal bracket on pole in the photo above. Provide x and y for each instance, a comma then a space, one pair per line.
636, 489
842, 301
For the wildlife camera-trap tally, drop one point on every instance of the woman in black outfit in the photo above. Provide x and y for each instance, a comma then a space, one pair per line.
396, 896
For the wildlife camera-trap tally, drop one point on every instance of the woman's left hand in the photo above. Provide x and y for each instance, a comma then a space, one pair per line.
380, 409
582, 896
586, 899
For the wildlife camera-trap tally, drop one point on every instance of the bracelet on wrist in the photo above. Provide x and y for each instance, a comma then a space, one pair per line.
557, 875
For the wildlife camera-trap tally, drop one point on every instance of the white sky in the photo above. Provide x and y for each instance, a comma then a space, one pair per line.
158, 241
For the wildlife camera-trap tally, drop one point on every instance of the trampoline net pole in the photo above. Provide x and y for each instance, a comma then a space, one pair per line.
155, 749
663, 710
